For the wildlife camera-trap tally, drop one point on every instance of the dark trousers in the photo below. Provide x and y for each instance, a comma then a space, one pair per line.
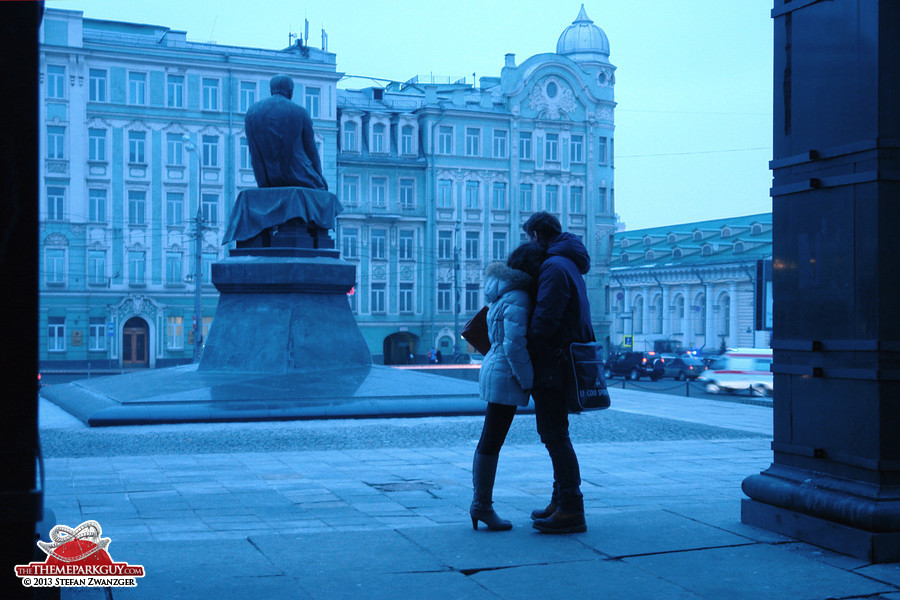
552, 418
497, 421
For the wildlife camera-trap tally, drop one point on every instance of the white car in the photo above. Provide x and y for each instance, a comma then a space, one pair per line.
740, 369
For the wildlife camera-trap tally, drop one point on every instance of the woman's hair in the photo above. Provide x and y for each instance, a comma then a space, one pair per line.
527, 258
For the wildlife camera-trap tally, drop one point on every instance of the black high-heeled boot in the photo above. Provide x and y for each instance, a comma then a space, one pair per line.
484, 470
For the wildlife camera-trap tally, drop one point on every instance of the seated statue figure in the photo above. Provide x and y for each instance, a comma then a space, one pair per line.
282, 145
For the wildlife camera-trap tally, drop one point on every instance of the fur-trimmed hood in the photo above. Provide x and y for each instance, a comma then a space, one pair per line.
500, 279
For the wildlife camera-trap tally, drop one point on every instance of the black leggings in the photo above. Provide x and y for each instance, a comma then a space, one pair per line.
497, 421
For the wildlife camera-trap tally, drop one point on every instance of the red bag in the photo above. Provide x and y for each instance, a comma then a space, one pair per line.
475, 332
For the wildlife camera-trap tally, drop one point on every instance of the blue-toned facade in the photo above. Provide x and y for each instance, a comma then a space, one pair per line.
436, 180
123, 105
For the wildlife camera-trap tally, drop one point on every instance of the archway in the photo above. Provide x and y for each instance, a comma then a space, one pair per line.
135, 346
398, 347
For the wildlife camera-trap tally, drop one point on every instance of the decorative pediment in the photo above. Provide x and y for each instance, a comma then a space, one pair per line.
552, 99
56, 239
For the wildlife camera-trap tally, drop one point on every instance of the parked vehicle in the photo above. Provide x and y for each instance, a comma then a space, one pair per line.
683, 368
740, 369
635, 365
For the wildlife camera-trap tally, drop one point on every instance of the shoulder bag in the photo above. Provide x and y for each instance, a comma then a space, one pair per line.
476, 333
588, 390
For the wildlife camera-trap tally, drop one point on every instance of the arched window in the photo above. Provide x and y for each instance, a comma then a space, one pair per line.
378, 138
620, 320
698, 236
350, 136
725, 312
726, 231
678, 321
648, 240
699, 310
657, 315
649, 255
738, 247
707, 250
677, 253
624, 243
756, 229
637, 315
624, 257
672, 238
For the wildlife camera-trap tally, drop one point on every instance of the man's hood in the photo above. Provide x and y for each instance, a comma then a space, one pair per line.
569, 246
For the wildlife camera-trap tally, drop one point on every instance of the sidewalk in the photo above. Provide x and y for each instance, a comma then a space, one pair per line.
663, 518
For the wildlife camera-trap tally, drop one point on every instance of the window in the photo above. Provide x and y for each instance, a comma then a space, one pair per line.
210, 89
245, 153
707, 250
576, 199
173, 268
738, 247
350, 190
601, 201
136, 267
210, 209
471, 194
725, 325
445, 193
97, 145
97, 205
406, 140
56, 334
679, 315
602, 157
378, 138
137, 141
56, 203
407, 193
576, 149
526, 197
658, 315
700, 319
406, 247
444, 298
473, 297
472, 242
350, 136
137, 202
137, 88
445, 139
312, 97
175, 209
56, 142
96, 267
500, 141
56, 81
498, 245
379, 191
174, 150
175, 91
97, 334
210, 150
350, 243
379, 244
677, 253
498, 194
551, 147
551, 198
406, 298
97, 85
206, 261
472, 141
378, 297
248, 95
525, 145
637, 315
445, 245
55, 266
175, 333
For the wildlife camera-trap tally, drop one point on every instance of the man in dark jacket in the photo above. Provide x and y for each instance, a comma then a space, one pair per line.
562, 315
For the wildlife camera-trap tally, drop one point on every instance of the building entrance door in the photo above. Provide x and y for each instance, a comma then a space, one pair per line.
134, 343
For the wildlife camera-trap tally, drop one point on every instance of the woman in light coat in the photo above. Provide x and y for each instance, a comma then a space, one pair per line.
506, 373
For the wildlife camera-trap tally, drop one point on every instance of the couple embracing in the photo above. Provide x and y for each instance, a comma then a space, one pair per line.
537, 306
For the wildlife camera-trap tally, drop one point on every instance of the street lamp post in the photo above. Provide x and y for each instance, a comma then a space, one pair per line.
198, 249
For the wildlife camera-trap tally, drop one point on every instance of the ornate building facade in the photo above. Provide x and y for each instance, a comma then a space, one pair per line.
701, 286
143, 140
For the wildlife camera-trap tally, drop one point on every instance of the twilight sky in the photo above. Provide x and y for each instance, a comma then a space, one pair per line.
693, 82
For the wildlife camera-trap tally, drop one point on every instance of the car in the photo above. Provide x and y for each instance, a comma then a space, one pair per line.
635, 365
683, 368
740, 369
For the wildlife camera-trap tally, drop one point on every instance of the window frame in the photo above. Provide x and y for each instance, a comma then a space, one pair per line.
473, 141
137, 88
500, 143
98, 82
174, 91
209, 93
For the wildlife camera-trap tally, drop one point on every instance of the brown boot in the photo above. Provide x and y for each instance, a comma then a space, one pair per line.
561, 522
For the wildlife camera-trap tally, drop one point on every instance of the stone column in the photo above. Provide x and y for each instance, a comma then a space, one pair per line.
835, 477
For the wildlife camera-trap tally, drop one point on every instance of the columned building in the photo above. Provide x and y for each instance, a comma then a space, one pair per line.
702, 286
142, 129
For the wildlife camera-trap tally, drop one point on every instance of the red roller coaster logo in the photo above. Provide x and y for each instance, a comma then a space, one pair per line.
78, 558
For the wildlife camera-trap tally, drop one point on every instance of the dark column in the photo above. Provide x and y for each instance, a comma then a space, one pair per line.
835, 479
20, 496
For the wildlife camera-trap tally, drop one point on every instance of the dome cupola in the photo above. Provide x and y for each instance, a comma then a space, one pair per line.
582, 41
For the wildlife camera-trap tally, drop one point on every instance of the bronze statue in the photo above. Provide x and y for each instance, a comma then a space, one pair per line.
282, 145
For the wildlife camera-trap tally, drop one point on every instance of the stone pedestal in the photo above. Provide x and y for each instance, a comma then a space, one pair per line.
835, 478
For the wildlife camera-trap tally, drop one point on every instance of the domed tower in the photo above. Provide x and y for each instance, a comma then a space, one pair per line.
584, 42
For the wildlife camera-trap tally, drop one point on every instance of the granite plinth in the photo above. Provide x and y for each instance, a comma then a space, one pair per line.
186, 394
